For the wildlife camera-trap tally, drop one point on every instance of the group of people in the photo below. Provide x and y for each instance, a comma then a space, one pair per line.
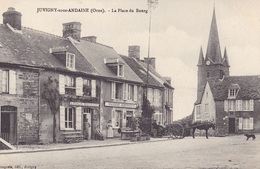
156, 129
98, 134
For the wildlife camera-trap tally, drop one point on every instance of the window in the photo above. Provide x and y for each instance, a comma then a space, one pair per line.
70, 85
156, 97
69, 117
8, 84
232, 105
5, 81
248, 105
197, 110
130, 92
158, 117
70, 60
120, 70
117, 119
89, 87
208, 74
206, 108
246, 123
117, 91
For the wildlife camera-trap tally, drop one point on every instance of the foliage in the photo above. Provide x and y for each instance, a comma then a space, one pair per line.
134, 124
145, 121
51, 94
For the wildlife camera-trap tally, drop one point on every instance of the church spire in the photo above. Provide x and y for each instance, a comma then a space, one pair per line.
201, 57
213, 49
225, 58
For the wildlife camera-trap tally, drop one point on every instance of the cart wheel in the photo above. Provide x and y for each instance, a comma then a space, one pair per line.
176, 130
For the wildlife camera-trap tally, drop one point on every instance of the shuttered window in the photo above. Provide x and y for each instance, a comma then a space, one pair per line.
135, 93
79, 86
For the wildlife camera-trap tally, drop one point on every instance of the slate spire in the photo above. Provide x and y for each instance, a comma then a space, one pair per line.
225, 58
213, 49
201, 57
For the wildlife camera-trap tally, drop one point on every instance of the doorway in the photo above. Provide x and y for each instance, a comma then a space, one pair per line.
87, 114
8, 123
231, 125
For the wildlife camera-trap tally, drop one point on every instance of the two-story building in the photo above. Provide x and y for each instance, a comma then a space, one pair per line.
120, 87
160, 92
32, 63
231, 102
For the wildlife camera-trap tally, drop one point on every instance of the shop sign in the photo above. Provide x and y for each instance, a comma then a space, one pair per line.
84, 104
123, 105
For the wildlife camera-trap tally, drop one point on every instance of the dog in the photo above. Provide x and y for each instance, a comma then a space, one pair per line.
250, 136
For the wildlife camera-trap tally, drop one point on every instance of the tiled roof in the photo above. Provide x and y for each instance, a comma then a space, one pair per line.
32, 48
249, 87
156, 75
96, 53
141, 72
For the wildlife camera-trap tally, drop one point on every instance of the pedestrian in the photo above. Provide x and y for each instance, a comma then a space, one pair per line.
99, 135
86, 129
109, 129
154, 128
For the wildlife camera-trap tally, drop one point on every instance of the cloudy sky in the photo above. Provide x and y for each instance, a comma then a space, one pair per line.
179, 29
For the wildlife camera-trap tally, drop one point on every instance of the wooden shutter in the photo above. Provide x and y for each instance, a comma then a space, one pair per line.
78, 118
93, 88
125, 92
61, 84
113, 90
251, 105
62, 118
124, 118
240, 123
135, 93
113, 119
12, 82
226, 105
79, 86
1, 73
251, 123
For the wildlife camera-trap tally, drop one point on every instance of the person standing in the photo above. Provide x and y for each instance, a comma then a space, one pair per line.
109, 129
86, 129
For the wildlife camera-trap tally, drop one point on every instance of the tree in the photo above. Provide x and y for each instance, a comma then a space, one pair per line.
52, 96
145, 122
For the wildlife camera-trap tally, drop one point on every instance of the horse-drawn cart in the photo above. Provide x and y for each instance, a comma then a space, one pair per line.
179, 131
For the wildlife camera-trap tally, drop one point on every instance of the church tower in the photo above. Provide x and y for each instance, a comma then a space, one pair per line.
213, 65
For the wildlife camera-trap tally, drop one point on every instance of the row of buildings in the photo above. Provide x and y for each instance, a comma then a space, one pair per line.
74, 78
231, 102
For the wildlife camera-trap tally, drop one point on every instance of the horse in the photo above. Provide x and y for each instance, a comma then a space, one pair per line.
202, 126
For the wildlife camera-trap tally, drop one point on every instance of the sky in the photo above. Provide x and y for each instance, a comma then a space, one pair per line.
179, 28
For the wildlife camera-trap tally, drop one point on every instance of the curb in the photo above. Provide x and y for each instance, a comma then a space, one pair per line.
76, 147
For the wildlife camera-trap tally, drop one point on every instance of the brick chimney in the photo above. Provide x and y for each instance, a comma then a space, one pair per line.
13, 18
134, 51
72, 29
151, 61
92, 39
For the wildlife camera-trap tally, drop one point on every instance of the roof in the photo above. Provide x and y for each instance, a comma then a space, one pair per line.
141, 72
249, 88
97, 53
32, 48
156, 75
213, 49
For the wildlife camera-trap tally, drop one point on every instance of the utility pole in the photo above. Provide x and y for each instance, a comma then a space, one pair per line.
151, 5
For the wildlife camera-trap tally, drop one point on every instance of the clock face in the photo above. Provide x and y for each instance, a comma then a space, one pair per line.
208, 62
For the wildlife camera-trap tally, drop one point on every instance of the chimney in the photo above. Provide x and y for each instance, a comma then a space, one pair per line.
151, 61
13, 18
72, 29
134, 51
92, 39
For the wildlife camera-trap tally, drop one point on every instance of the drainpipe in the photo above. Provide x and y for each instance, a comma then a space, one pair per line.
39, 105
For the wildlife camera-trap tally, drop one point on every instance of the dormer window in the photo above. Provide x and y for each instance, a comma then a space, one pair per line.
115, 65
233, 91
120, 70
70, 60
